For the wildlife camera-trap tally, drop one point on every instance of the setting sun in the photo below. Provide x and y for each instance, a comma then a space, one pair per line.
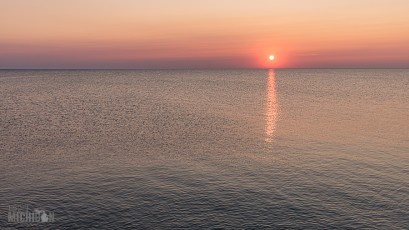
271, 57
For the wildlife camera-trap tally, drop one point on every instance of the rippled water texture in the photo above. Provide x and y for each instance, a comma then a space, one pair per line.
207, 148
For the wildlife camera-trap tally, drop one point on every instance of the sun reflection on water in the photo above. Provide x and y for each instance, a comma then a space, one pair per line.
271, 113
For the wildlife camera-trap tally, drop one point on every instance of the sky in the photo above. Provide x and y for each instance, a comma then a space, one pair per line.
162, 34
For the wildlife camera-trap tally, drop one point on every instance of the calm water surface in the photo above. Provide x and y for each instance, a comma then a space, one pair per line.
313, 149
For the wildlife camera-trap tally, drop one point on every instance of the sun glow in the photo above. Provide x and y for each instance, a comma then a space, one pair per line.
271, 57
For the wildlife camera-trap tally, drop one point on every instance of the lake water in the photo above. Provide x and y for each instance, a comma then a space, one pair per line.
169, 149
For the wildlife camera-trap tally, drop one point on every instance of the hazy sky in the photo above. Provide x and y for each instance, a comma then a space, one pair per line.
201, 34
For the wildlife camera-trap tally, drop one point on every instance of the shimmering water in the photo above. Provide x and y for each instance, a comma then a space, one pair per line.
206, 148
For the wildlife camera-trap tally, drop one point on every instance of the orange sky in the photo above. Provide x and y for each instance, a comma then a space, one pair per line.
203, 34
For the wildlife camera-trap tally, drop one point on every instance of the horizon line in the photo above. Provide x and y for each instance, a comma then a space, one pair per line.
227, 68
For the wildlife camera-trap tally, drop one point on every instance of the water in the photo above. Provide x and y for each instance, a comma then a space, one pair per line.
206, 148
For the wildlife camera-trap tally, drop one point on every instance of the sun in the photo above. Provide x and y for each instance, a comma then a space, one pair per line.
271, 57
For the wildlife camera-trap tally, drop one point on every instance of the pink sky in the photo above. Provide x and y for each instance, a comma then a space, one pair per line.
204, 34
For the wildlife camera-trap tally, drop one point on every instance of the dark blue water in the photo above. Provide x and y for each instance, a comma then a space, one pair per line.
249, 149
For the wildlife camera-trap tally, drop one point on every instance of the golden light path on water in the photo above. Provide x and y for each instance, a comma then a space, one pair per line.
271, 113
